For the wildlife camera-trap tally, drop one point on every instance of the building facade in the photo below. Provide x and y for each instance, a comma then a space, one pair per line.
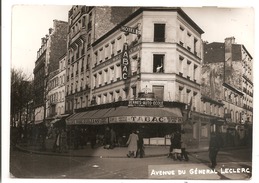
53, 46
56, 91
227, 78
153, 55
86, 24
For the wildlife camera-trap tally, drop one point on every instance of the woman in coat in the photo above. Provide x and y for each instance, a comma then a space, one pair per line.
132, 144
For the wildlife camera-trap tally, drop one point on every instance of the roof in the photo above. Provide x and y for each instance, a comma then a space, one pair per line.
215, 52
142, 9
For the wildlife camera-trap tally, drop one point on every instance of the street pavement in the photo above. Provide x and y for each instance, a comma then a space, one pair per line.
99, 151
99, 163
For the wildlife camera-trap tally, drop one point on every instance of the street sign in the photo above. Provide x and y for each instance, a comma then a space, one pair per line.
129, 29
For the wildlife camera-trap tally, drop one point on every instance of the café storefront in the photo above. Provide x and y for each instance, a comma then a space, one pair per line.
156, 119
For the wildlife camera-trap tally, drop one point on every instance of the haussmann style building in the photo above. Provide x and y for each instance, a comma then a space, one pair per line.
144, 73
227, 79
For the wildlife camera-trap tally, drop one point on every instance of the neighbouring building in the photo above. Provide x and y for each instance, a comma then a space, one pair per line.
86, 24
56, 91
145, 74
53, 46
227, 79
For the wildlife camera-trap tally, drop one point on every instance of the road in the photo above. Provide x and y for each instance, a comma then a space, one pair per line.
232, 164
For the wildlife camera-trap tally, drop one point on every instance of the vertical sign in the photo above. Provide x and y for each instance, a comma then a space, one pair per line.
125, 61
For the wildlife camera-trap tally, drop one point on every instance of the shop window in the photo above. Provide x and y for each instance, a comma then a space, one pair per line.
158, 92
204, 130
158, 63
195, 130
159, 32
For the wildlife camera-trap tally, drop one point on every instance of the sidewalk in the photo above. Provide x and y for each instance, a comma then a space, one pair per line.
87, 151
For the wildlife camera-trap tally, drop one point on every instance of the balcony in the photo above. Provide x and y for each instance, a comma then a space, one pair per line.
79, 37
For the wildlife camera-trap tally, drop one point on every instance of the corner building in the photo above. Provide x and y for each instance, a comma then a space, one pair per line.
162, 48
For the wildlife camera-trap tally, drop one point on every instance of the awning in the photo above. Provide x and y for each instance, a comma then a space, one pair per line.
125, 114
94, 117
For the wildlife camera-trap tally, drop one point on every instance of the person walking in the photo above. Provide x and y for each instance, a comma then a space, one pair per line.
176, 145
140, 150
56, 145
132, 144
214, 147
63, 141
107, 138
113, 138
184, 140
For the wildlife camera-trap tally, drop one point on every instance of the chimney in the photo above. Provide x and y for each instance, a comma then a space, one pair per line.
228, 59
228, 49
50, 30
43, 40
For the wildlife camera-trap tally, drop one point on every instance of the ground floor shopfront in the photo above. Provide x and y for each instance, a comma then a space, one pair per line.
156, 124
200, 126
155, 120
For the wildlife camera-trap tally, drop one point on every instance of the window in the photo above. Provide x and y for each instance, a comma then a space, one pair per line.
159, 32
204, 130
195, 46
194, 72
159, 92
112, 48
134, 92
158, 63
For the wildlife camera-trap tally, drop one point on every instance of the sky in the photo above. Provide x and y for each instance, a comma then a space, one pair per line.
31, 22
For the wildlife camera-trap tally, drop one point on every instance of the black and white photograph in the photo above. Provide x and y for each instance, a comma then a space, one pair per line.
129, 92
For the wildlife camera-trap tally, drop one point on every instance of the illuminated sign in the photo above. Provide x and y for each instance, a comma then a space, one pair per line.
129, 29
125, 62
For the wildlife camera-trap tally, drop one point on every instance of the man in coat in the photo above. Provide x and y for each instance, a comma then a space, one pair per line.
214, 146
132, 144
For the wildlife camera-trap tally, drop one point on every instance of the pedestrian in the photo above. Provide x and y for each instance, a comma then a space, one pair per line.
132, 144
56, 145
184, 140
44, 133
107, 138
63, 141
140, 150
176, 145
113, 138
77, 138
214, 147
92, 138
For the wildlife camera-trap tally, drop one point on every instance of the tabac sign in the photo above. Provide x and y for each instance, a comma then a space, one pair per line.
125, 61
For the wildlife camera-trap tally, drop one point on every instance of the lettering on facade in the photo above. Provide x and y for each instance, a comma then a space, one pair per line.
129, 29
145, 103
145, 119
125, 62
91, 121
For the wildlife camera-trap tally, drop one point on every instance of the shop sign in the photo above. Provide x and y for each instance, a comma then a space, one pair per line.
129, 29
91, 121
145, 103
125, 61
145, 119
